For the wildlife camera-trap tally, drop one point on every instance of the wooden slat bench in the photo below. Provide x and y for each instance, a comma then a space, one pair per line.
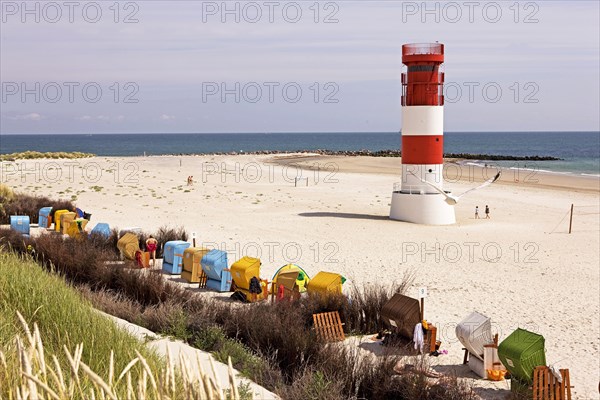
328, 326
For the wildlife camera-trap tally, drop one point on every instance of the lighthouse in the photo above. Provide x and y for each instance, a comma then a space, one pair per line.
415, 199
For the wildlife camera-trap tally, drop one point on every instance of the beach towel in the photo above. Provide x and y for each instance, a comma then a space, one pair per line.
556, 372
418, 337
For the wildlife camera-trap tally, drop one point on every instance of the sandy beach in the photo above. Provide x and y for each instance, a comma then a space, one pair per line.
520, 267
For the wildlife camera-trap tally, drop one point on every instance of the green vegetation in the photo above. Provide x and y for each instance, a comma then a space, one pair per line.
14, 203
63, 318
6, 192
213, 339
30, 155
273, 343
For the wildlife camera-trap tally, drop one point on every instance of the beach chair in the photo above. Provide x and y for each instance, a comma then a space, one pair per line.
481, 348
77, 228
303, 278
101, 229
65, 221
214, 271
521, 352
44, 218
128, 245
20, 223
242, 272
546, 386
192, 256
401, 314
173, 256
325, 283
285, 286
57, 219
328, 327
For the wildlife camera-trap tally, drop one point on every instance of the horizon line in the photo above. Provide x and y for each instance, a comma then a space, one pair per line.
271, 133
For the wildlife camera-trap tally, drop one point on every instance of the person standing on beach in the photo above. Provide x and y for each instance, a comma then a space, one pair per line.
151, 246
487, 212
476, 212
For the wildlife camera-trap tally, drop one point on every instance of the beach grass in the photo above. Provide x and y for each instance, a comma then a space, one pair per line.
32, 155
272, 343
83, 354
16, 203
64, 318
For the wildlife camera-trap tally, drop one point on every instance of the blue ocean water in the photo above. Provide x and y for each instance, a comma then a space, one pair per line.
580, 150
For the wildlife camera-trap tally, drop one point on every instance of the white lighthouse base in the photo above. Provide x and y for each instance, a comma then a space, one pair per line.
427, 209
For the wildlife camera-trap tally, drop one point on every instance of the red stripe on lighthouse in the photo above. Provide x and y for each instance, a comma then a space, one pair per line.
422, 149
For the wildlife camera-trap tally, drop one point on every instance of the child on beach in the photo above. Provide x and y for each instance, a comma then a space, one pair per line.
487, 212
476, 212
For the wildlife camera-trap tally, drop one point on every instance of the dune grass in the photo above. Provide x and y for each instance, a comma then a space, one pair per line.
273, 344
64, 318
31, 155
15, 203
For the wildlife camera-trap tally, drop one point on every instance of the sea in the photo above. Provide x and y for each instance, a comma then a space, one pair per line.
579, 151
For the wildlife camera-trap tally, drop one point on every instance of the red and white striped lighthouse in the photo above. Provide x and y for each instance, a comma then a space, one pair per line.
422, 138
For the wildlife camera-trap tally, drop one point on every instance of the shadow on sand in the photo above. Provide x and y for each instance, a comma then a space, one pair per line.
378, 349
344, 215
491, 390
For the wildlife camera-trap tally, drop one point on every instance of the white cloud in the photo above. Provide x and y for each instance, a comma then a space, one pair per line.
27, 117
99, 118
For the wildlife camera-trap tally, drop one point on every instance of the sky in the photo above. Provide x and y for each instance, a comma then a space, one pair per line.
284, 66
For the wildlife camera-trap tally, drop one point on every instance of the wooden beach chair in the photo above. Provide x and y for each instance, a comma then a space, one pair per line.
328, 327
547, 387
401, 313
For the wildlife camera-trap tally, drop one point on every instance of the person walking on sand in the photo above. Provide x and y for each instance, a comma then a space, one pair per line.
476, 212
487, 212
151, 246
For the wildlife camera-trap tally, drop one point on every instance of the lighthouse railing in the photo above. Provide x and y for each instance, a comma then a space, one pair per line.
409, 189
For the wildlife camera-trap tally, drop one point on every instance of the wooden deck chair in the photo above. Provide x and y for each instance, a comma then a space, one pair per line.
328, 326
547, 387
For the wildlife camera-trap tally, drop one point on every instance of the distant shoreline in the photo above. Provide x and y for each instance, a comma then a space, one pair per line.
322, 152
379, 153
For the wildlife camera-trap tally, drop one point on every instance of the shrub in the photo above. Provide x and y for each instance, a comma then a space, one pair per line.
209, 338
30, 155
166, 234
6, 193
25, 204
273, 343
